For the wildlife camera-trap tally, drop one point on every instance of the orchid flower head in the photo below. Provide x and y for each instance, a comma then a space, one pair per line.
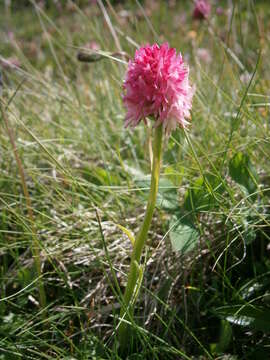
157, 85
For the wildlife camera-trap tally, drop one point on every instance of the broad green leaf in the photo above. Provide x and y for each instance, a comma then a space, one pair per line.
100, 176
164, 289
243, 172
167, 197
25, 276
259, 352
183, 235
246, 316
249, 236
134, 172
255, 286
225, 337
248, 221
175, 174
203, 193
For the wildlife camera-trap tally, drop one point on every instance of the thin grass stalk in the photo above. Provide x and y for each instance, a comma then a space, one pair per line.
35, 243
126, 310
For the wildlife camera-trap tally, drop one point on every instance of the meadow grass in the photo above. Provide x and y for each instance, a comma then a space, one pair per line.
86, 175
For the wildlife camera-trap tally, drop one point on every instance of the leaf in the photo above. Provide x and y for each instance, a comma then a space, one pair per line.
140, 271
249, 236
183, 235
255, 287
248, 220
202, 194
128, 233
225, 337
259, 352
175, 174
243, 172
246, 316
167, 197
164, 289
25, 276
100, 176
135, 173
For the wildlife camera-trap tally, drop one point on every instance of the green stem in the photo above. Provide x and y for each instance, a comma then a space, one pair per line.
141, 238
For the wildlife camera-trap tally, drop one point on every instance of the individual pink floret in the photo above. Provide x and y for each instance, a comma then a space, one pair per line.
157, 85
202, 9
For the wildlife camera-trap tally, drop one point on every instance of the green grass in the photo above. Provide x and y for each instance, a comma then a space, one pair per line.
82, 166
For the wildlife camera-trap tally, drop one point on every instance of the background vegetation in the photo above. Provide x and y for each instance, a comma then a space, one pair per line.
205, 291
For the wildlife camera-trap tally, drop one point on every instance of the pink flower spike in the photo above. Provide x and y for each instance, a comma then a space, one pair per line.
202, 9
156, 84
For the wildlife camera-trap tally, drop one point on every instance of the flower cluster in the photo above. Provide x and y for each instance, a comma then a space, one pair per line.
202, 9
157, 85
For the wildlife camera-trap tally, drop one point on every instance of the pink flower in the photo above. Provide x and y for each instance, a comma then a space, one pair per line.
219, 10
204, 55
10, 63
93, 45
157, 85
202, 9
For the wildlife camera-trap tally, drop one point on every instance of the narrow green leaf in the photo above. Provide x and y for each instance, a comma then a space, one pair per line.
128, 233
